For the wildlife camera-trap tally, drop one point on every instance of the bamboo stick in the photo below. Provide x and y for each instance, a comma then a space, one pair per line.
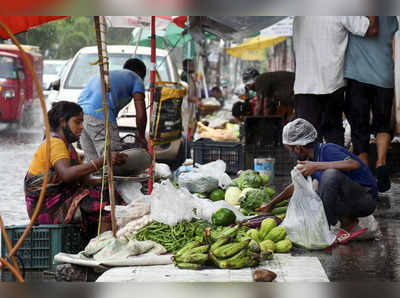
100, 26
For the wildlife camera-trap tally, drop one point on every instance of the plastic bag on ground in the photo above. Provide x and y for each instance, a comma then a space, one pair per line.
129, 190
305, 220
206, 178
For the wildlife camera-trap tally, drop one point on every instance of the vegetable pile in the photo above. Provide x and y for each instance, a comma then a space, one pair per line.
174, 237
222, 247
270, 237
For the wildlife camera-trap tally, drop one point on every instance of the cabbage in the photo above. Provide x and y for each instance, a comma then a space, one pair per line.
247, 179
251, 199
232, 195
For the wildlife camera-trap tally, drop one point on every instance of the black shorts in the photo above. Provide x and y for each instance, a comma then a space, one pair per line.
325, 112
360, 100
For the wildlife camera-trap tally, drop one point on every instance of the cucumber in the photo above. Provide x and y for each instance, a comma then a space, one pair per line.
279, 210
284, 203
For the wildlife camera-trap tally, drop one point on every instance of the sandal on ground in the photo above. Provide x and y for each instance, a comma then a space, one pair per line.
344, 236
383, 179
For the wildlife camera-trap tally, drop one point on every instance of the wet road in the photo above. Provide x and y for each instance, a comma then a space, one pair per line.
374, 260
377, 260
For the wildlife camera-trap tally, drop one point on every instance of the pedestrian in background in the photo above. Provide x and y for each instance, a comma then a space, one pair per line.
320, 44
191, 115
369, 70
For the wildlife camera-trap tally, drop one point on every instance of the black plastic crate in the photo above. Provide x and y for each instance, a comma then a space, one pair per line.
32, 275
43, 243
265, 130
283, 161
206, 150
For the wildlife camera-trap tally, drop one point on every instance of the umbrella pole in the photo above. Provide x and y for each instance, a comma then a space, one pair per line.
100, 26
152, 80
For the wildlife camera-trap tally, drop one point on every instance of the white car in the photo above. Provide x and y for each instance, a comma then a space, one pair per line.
81, 69
51, 71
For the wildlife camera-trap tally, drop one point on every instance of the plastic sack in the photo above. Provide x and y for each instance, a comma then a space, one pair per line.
167, 118
305, 220
130, 191
205, 178
134, 210
162, 171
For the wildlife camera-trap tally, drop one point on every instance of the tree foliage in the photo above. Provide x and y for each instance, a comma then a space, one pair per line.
63, 38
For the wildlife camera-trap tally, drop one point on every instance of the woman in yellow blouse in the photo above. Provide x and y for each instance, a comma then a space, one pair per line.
70, 186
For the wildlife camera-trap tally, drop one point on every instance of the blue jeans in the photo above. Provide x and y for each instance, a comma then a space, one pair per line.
342, 197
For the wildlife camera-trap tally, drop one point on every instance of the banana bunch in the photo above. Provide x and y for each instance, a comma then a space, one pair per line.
192, 256
233, 255
227, 248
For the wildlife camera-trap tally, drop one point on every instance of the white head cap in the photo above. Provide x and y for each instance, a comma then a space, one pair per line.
299, 132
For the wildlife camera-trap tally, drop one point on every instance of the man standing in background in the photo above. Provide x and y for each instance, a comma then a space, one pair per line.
369, 69
191, 115
320, 44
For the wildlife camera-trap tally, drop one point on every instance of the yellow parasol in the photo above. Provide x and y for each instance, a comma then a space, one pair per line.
254, 48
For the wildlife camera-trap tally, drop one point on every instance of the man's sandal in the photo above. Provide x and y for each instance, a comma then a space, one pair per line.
343, 236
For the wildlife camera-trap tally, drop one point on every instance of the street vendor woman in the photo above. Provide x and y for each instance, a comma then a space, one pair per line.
70, 189
346, 186
126, 83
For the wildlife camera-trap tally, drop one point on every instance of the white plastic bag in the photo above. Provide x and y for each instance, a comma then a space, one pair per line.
205, 209
130, 191
372, 225
170, 205
205, 178
162, 171
305, 220
134, 210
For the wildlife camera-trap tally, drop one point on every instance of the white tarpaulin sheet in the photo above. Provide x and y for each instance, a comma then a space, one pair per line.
287, 268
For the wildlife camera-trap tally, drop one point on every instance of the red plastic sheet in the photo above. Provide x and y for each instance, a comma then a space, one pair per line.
18, 24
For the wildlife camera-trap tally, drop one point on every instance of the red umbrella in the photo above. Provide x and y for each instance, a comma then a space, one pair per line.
18, 24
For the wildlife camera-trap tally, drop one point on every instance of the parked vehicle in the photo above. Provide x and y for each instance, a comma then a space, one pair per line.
17, 90
51, 71
81, 69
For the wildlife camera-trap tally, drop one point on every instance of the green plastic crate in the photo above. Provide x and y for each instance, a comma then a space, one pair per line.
43, 243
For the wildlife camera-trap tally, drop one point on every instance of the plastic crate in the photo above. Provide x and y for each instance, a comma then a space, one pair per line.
43, 243
260, 131
35, 275
283, 161
206, 150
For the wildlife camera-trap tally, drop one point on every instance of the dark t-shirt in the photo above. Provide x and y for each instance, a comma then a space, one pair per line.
332, 152
277, 87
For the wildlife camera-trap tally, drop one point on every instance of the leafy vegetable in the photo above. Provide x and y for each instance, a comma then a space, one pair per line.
232, 195
217, 195
264, 179
253, 199
247, 179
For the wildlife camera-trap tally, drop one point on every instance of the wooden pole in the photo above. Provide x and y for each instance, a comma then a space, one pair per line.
13, 251
152, 80
100, 26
